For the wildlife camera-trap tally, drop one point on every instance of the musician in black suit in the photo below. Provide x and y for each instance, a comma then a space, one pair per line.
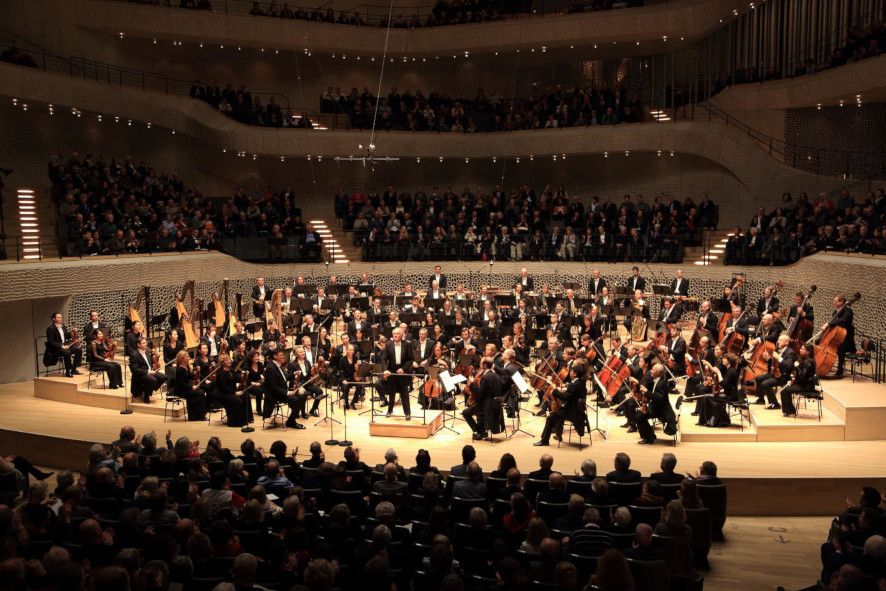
636, 282
842, 316
94, 324
768, 303
784, 357
183, 386
573, 407
560, 329
225, 392
658, 406
358, 323
803, 380
439, 277
707, 318
680, 285
596, 284
365, 285
300, 374
769, 329
670, 311
59, 345
738, 323
276, 390
525, 280
398, 360
260, 295
422, 349
676, 350
145, 379
712, 410
482, 397
807, 310
694, 383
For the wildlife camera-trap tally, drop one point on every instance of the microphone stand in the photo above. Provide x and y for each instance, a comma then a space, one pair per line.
126, 410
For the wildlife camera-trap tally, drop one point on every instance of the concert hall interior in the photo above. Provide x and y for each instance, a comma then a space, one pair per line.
611, 271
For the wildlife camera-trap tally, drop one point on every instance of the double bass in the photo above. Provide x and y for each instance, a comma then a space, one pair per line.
828, 342
800, 327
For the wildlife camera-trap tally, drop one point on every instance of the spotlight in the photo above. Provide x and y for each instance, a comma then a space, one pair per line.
148, 125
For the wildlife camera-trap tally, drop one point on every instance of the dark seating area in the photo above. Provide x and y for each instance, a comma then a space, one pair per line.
194, 517
521, 225
845, 223
117, 206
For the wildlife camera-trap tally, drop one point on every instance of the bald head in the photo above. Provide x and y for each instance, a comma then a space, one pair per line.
643, 535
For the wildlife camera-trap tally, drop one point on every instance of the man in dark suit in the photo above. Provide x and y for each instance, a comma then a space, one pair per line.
145, 379
560, 330
94, 324
768, 303
60, 346
670, 311
358, 323
676, 350
468, 455
491, 386
473, 486
842, 316
525, 280
572, 409
707, 319
439, 277
636, 282
398, 361
680, 285
391, 486
126, 443
668, 467
545, 468
784, 358
623, 471
642, 550
276, 389
260, 295
658, 406
422, 349
596, 284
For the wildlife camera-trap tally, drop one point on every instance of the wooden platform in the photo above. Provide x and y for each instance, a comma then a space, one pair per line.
417, 427
77, 390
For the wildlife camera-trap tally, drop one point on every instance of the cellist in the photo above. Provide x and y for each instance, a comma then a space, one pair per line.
722, 382
489, 388
803, 379
572, 409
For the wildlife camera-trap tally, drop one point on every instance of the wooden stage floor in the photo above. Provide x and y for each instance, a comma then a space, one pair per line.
800, 466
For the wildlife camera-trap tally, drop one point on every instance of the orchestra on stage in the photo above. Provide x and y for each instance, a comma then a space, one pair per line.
618, 347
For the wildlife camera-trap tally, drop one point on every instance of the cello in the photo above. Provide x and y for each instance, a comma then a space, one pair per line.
734, 341
829, 341
800, 328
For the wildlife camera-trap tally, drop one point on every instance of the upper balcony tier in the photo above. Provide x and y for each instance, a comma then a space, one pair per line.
659, 27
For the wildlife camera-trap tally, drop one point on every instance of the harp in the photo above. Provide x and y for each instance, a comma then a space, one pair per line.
133, 313
185, 322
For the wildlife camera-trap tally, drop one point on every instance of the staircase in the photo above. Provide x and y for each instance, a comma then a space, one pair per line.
29, 221
715, 240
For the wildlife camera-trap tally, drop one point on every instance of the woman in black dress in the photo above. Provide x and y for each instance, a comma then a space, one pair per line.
99, 360
226, 394
347, 368
185, 386
171, 347
255, 370
324, 344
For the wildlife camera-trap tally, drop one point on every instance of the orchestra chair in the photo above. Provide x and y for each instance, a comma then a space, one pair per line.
863, 356
279, 413
94, 372
215, 409
816, 395
675, 438
170, 402
587, 434
738, 408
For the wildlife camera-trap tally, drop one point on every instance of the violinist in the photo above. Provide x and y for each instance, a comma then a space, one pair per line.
721, 382
705, 353
658, 406
572, 407
803, 379
347, 367
300, 368
239, 335
276, 391
482, 398
61, 345
561, 374
521, 344
225, 393
101, 358
781, 363
768, 303
240, 354
308, 326
318, 301
171, 347
509, 367
145, 379
203, 365
707, 318
255, 371
842, 316
186, 384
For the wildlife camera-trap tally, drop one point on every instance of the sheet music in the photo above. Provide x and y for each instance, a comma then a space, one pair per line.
450, 381
520, 382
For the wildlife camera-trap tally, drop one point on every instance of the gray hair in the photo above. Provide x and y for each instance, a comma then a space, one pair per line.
384, 510
668, 461
149, 440
875, 546
235, 466
589, 468
674, 513
621, 516
390, 455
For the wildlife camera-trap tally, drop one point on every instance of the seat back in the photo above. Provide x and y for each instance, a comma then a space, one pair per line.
493, 485
460, 509
714, 498
700, 522
678, 553
650, 575
534, 486
669, 491
648, 515
549, 512
579, 487
624, 493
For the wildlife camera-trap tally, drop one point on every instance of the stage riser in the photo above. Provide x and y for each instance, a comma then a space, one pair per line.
73, 391
399, 427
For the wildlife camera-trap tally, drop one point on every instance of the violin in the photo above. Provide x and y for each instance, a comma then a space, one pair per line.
155, 361
75, 338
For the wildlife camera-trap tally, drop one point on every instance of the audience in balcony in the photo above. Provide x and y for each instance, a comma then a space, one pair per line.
801, 227
522, 224
110, 207
555, 108
241, 105
444, 12
175, 516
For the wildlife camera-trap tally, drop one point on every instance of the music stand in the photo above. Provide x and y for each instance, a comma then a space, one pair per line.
376, 370
516, 421
364, 375
661, 289
449, 382
620, 290
360, 303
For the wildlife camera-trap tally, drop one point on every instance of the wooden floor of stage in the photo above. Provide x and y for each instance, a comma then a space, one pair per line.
818, 460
